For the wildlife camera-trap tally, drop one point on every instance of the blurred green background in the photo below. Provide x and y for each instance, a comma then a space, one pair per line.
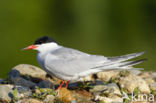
105, 27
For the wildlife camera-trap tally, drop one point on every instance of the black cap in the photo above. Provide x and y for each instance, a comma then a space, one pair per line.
44, 39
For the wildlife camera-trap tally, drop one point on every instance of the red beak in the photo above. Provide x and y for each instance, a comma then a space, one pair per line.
30, 47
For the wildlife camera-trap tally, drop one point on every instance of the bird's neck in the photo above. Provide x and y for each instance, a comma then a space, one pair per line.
47, 48
44, 50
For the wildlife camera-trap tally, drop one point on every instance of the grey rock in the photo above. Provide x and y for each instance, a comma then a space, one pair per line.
110, 88
14, 73
6, 93
135, 72
29, 100
23, 82
49, 99
154, 74
114, 89
30, 70
23, 91
153, 87
98, 88
107, 75
132, 81
99, 82
46, 84
1, 81
81, 98
110, 99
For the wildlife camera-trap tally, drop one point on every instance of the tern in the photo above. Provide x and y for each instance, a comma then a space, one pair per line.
72, 65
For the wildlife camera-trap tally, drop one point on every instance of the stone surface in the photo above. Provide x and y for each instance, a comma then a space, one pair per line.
66, 96
88, 78
6, 93
135, 72
23, 91
1, 81
132, 81
114, 89
98, 88
49, 99
103, 87
23, 82
83, 96
46, 84
110, 99
146, 75
29, 100
33, 71
153, 87
149, 80
107, 75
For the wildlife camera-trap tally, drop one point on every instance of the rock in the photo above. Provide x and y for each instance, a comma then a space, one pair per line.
6, 93
110, 88
88, 78
154, 76
49, 99
107, 75
13, 74
114, 88
29, 100
23, 82
99, 88
99, 82
1, 81
149, 80
135, 72
23, 91
110, 99
83, 96
146, 75
33, 71
153, 87
66, 96
139, 102
46, 84
132, 81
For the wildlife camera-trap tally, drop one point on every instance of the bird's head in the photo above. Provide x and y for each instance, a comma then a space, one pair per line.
43, 44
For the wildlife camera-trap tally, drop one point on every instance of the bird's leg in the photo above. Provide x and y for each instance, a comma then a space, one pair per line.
60, 87
67, 84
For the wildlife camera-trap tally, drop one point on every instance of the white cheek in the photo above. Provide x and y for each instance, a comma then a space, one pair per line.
47, 47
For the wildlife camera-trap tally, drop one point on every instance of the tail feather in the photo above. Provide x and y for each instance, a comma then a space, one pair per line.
131, 63
115, 63
125, 57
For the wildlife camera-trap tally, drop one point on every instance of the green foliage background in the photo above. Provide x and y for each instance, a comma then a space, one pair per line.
106, 27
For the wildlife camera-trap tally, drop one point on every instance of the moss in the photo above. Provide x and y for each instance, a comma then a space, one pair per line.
136, 91
124, 73
84, 85
153, 92
101, 101
15, 98
105, 94
58, 100
123, 90
43, 92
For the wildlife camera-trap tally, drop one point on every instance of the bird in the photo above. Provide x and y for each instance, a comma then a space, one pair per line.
72, 65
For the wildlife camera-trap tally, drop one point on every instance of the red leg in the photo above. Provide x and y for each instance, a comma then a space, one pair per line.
60, 87
67, 84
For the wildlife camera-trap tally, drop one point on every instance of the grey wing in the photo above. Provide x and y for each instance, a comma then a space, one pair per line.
71, 67
71, 62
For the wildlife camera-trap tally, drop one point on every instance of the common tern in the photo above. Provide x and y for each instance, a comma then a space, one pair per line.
71, 65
